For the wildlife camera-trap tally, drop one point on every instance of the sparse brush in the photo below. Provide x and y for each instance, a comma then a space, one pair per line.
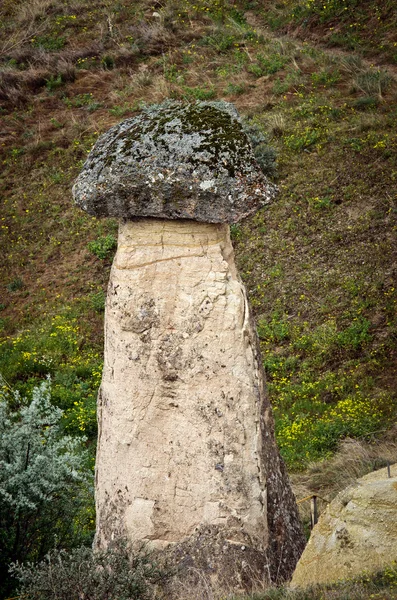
168, 16
368, 121
276, 124
143, 79
285, 47
195, 584
152, 38
354, 459
66, 69
31, 11
160, 88
16, 41
373, 82
13, 93
118, 572
351, 63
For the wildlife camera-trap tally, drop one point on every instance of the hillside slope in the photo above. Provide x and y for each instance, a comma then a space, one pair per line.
320, 264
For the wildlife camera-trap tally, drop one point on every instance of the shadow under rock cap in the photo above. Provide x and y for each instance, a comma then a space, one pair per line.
175, 161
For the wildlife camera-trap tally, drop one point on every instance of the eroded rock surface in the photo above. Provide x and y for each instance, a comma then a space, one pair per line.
186, 442
175, 161
356, 533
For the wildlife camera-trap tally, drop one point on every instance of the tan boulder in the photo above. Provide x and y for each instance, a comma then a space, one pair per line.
356, 533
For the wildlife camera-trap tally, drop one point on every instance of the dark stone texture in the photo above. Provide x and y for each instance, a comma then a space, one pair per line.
175, 161
214, 561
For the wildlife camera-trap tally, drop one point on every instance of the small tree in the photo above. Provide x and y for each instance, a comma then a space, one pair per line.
44, 481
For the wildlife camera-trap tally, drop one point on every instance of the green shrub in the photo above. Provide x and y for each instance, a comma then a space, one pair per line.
280, 86
303, 139
200, 93
316, 403
44, 480
325, 78
275, 330
366, 103
79, 100
15, 285
82, 574
121, 110
221, 41
309, 437
108, 62
255, 69
267, 64
54, 82
103, 247
235, 232
355, 335
266, 158
236, 89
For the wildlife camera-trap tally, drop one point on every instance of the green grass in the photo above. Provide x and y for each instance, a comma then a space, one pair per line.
56, 347
318, 284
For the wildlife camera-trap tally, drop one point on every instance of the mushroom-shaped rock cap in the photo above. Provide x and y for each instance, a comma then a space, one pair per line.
174, 161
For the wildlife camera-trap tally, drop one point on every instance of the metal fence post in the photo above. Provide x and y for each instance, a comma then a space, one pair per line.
313, 511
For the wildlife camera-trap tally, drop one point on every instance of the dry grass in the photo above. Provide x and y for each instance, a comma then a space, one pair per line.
21, 36
196, 585
379, 586
31, 10
354, 459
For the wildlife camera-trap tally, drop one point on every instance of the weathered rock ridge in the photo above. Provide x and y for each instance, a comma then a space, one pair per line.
356, 533
186, 438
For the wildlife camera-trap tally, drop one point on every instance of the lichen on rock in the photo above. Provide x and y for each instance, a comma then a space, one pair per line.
175, 161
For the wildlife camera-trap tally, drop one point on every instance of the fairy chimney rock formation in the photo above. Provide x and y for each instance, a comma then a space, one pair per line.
186, 452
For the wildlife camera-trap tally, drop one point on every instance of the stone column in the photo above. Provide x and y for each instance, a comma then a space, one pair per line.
179, 397
187, 458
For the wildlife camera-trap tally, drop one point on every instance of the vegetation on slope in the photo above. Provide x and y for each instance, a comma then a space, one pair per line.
319, 264
368, 27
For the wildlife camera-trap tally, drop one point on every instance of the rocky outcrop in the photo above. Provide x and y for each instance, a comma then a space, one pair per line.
187, 459
356, 533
